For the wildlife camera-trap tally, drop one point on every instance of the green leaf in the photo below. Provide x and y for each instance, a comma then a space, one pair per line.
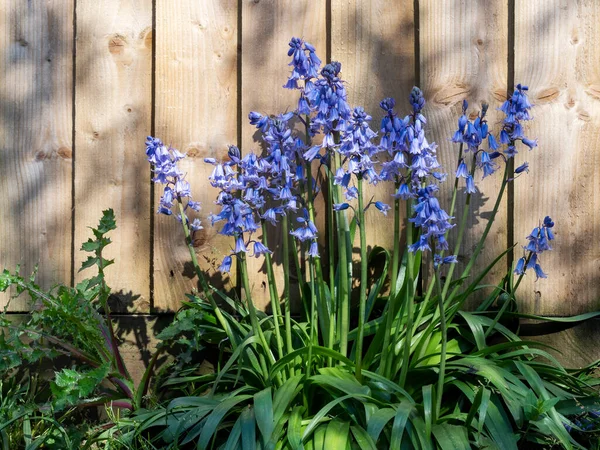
263, 412
376, 288
294, 431
234, 436
362, 438
336, 435
284, 396
451, 437
248, 429
378, 421
89, 262
316, 349
324, 411
340, 380
214, 419
428, 408
402, 413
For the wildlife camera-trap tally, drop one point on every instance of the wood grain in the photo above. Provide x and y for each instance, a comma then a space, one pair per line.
196, 112
267, 26
557, 53
463, 55
36, 83
113, 109
374, 42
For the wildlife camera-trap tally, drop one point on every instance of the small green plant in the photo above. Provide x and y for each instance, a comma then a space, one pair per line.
70, 326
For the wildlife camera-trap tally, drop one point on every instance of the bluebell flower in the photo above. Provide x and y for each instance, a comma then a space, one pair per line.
404, 192
196, 225
328, 98
164, 160
487, 165
225, 266
471, 189
438, 260
431, 219
305, 62
306, 232
313, 251
340, 206
261, 122
520, 267
516, 109
522, 168
538, 243
384, 208
462, 171
260, 249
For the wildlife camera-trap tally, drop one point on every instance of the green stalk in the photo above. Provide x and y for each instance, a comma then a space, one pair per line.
444, 332
391, 315
286, 286
454, 192
505, 306
275, 306
461, 228
345, 258
363, 280
203, 282
488, 227
313, 301
253, 317
408, 298
325, 320
331, 248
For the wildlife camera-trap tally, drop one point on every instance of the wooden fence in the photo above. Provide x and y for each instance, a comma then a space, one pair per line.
84, 82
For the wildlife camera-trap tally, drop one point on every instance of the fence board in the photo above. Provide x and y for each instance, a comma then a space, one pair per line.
463, 55
196, 110
113, 108
267, 27
36, 42
557, 52
374, 42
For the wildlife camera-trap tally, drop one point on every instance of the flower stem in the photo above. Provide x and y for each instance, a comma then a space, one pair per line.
203, 282
391, 314
286, 286
345, 258
444, 332
313, 301
253, 317
363, 280
481, 242
461, 228
275, 306
409, 298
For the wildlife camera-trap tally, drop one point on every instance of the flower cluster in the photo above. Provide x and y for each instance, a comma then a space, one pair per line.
328, 99
413, 167
432, 220
516, 109
164, 160
357, 150
471, 134
239, 176
538, 243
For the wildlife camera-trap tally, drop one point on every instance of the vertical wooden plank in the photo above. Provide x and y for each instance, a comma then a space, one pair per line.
196, 112
557, 53
113, 108
36, 54
374, 42
463, 55
267, 26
